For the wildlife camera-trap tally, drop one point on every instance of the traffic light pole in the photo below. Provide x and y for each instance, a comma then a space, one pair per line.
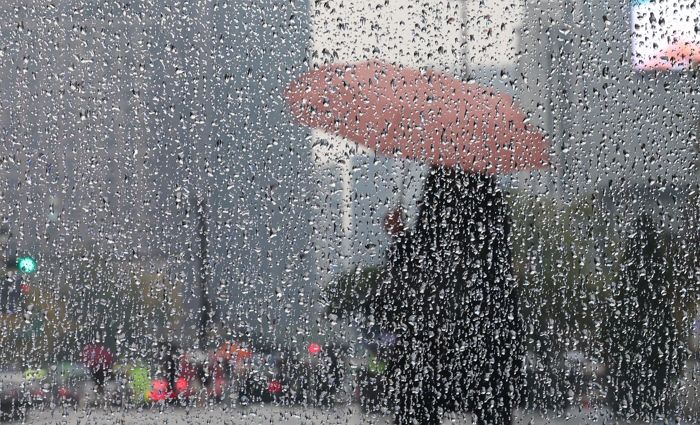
203, 273
16, 274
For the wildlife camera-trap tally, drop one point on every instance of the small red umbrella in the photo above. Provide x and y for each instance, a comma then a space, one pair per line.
421, 115
97, 356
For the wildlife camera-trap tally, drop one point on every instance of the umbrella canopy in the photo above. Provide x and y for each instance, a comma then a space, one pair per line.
422, 115
679, 54
97, 356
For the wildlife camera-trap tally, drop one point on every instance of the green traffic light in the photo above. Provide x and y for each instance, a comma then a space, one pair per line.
26, 264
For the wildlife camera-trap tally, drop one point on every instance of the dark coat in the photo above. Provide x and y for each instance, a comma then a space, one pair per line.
450, 299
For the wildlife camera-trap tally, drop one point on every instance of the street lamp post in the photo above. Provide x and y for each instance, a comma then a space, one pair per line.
203, 272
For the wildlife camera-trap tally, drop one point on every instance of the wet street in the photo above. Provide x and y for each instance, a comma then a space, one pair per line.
275, 415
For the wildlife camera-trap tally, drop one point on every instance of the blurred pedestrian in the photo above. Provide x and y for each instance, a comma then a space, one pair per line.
451, 302
168, 358
645, 342
98, 360
450, 298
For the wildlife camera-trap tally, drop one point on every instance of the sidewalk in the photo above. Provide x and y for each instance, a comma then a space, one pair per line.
265, 415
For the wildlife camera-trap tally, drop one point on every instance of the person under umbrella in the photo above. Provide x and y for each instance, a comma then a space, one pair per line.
450, 298
98, 360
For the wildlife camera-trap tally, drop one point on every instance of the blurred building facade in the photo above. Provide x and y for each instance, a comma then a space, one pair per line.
570, 67
116, 117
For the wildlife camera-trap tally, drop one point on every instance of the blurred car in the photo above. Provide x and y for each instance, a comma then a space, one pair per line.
131, 385
68, 383
12, 404
372, 384
64, 384
312, 376
265, 381
36, 388
371, 380
315, 376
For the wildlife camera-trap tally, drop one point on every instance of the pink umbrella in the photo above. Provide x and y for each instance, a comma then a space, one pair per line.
679, 54
427, 116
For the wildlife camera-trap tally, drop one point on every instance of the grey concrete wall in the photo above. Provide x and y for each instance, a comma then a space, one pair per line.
116, 113
113, 115
611, 126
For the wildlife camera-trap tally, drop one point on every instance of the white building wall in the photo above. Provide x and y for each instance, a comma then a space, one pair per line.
453, 36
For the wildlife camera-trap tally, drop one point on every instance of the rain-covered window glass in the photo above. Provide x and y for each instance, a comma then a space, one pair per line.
350, 211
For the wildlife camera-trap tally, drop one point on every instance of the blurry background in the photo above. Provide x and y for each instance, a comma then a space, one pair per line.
147, 154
